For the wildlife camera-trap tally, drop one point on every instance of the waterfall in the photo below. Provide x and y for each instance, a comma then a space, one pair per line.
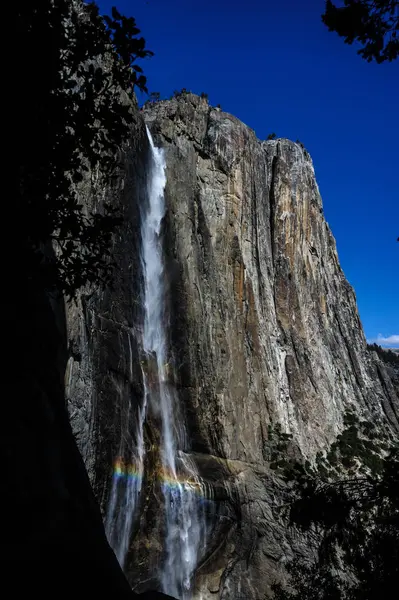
180, 484
126, 486
184, 529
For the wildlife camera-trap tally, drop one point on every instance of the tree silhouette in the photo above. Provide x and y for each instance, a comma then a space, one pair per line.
76, 117
372, 23
348, 504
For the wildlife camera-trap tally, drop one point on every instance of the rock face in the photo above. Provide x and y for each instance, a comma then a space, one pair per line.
103, 375
387, 369
270, 324
53, 542
264, 329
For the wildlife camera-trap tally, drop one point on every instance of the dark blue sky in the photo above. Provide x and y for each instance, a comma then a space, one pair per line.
276, 67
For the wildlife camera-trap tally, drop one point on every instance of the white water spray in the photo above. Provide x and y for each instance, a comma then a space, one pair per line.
184, 528
181, 487
126, 485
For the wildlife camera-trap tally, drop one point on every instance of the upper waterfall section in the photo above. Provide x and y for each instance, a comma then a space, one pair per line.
265, 322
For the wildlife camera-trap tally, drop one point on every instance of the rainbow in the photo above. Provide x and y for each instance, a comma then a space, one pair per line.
130, 472
167, 479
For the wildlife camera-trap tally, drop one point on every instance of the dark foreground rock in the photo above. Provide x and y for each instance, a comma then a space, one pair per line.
53, 542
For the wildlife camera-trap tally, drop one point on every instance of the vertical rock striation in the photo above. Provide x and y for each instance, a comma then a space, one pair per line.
270, 324
264, 329
103, 373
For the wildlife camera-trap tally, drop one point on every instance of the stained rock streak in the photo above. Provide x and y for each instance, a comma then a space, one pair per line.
253, 324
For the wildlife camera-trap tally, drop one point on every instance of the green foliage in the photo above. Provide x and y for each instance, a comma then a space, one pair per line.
305, 152
179, 93
276, 449
310, 581
74, 122
271, 136
349, 502
372, 23
204, 95
280, 451
155, 96
359, 448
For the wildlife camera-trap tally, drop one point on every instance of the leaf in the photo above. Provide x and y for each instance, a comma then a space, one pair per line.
115, 13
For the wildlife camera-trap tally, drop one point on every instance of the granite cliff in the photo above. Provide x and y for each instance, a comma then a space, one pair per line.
53, 540
263, 330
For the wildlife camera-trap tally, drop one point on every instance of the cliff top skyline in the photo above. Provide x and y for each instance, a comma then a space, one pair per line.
276, 67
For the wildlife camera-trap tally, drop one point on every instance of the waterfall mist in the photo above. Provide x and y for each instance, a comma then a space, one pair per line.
184, 521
